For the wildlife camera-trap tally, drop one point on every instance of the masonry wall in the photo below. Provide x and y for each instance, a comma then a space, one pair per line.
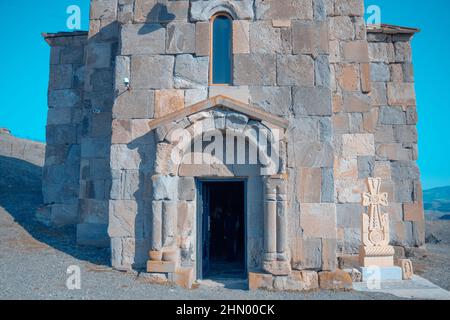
396, 135
61, 170
349, 100
280, 55
374, 118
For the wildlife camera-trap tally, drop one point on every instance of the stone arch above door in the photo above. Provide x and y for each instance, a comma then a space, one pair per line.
178, 131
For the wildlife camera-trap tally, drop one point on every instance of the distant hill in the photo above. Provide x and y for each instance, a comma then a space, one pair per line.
437, 199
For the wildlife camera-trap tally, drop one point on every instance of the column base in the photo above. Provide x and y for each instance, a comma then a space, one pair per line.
277, 268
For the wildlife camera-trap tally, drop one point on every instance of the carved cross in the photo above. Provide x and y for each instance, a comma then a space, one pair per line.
374, 199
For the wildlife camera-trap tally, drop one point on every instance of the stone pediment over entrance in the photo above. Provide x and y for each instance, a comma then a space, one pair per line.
221, 102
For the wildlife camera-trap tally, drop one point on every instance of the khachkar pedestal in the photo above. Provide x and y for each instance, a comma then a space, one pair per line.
376, 256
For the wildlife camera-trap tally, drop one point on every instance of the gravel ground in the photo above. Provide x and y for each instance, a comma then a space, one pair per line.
434, 264
34, 260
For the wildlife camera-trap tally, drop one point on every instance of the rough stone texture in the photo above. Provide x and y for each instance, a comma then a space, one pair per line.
152, 72
347, 95
312, 101
143, 39
290, 66
337, 280
254, 69
191, 72
310, 37
168, 101
284, 9
180, 38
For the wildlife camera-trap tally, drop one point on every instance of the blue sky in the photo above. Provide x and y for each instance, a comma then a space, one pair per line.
24, 64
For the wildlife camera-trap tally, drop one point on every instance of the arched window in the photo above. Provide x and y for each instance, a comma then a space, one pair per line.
221, 51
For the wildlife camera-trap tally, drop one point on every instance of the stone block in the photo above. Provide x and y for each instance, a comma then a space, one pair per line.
254, 69
165, 187
413, 211
358, 145
72, 55
241, 37
348, 78
304, 280
329, 258
134, 104
348, 215
103, 9
168, 101
123, 218
276, 100
122, 157
312, 101
240, 93
406, 134
64, 98
180, 38
295, 70
281, 23
337, 280
143, 39
161, 266
382, 170
98, 55
380, 72
260, 281
190, 71
403, 52
193, 96
411, 116
356, 51
366, 84
310, 38
366, 166
121, 131
152, 72
381, 52
356, 102
318, 220
341, 28
309, 185
158, 11
370, 120
327, 186
310, 154
186, 188
379, 94
396, 72
311, 257
61, 76
284, 9
202, 39
353, 8
184, 277
264, 38
322, 71
408, 72
401, 94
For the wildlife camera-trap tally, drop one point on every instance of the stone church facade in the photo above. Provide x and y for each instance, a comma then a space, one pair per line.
336, 96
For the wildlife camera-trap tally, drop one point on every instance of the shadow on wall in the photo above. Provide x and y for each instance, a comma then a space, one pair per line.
158, 14
20, 196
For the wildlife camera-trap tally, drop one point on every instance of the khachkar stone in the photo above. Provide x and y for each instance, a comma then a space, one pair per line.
375, 249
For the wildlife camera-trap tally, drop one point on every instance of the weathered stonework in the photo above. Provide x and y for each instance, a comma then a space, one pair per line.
342, 95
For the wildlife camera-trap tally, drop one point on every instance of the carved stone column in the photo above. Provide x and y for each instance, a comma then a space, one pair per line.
275, 226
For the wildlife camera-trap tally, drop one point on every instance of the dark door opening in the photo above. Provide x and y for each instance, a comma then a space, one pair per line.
222, 233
